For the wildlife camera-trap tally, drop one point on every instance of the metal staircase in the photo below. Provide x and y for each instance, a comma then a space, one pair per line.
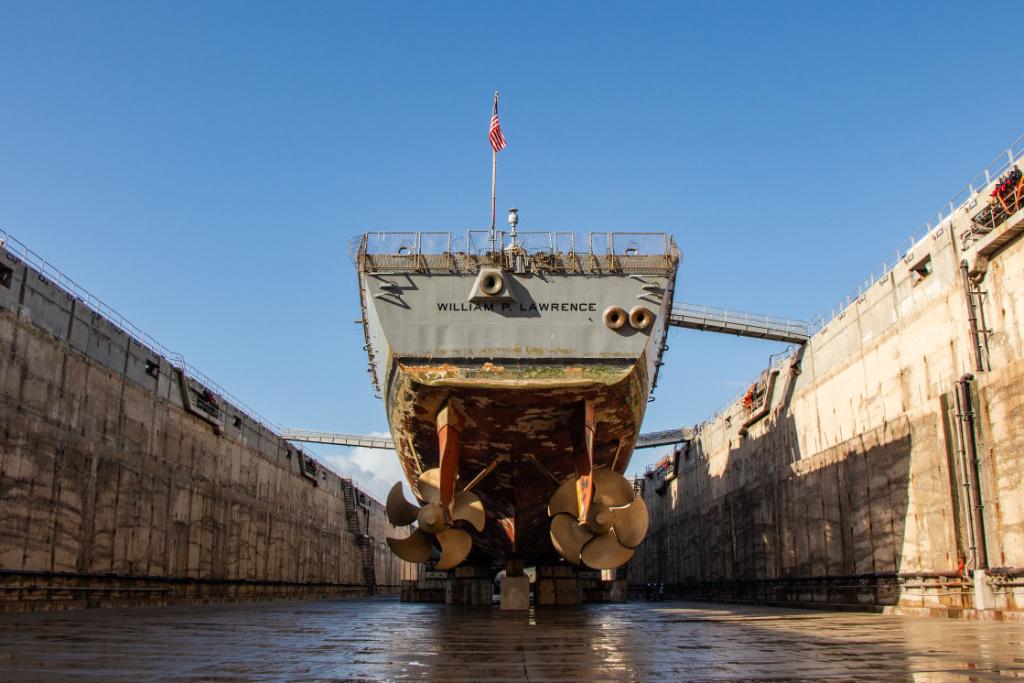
980, 331
639, 486
363, 539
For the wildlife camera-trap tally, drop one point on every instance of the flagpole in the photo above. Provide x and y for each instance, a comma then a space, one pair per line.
494, 177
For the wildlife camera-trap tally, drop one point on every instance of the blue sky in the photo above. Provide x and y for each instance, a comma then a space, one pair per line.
203, 166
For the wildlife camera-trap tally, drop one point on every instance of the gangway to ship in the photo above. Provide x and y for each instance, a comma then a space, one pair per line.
650, 440
336, 439
664, 438
738, 323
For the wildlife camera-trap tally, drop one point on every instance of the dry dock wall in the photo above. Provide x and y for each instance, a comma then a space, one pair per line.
853, 484
116, 487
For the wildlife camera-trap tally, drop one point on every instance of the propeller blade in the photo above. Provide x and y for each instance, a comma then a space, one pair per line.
455, 546
612, 489
605, 552
469, 507
564, 499
568, 536
429, 485
416, 548
400, 511
630, 523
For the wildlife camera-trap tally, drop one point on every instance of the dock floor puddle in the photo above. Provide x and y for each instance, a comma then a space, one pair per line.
381, 639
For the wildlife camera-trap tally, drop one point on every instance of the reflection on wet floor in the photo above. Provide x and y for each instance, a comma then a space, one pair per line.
382, 639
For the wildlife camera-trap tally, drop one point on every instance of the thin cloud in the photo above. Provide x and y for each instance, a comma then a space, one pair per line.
373, 470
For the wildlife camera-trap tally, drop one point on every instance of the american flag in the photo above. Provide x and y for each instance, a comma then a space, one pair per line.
497, 139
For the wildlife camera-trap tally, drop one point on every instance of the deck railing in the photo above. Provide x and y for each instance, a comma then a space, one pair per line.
535, 250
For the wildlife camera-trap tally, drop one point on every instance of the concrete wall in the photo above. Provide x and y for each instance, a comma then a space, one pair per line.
112, 492
850, 489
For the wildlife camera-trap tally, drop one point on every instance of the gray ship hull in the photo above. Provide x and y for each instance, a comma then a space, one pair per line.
519, 364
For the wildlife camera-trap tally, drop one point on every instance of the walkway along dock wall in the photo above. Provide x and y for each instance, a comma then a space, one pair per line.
121, 485
856, 483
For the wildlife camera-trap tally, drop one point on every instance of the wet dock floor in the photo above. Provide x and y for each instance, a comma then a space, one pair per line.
382, 639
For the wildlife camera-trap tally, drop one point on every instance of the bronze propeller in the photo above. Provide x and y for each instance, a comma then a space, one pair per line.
433, 522
615, 524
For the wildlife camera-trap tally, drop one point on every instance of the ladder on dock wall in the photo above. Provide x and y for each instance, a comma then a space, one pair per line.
740, 324
976, 318
363, 539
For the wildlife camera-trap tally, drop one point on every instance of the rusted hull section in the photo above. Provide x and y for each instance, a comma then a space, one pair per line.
520, 431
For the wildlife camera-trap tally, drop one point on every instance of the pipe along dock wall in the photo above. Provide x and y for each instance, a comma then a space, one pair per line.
113, 491
871, 470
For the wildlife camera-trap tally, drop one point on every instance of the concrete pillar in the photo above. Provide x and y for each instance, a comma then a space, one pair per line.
983, 595
618, 591
558, 585
469, 585
430, 585
515, 593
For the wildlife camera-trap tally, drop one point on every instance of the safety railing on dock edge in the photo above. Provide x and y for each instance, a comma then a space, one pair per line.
72, 288
1002, 163
59, 278
879, 274
775, 362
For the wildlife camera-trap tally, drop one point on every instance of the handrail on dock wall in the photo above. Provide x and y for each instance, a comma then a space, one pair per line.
59, 278
1002, 163
55, 276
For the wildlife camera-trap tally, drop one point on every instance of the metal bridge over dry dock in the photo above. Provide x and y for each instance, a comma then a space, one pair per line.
337, 439
651, 440
664, 438
741, 324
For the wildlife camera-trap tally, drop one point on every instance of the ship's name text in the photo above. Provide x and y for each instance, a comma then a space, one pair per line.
509, 307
